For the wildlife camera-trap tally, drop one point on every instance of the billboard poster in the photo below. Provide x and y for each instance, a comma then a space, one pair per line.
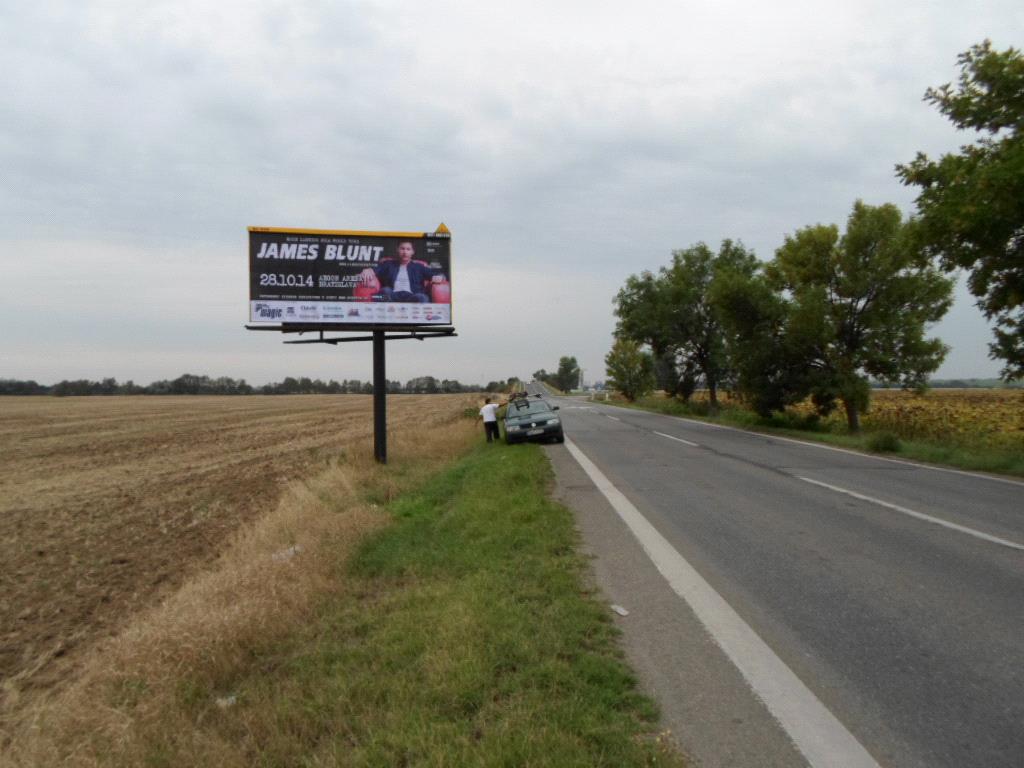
334, 277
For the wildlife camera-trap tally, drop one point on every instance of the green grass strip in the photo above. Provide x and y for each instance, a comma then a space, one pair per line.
468, 638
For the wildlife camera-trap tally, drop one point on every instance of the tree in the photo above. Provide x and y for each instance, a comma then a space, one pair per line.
830, 312
771, 346
666, 372
671, 312
567, 377
971, 204
19, 387
630, 370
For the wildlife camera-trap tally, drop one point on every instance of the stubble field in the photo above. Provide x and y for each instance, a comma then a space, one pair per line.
109, 503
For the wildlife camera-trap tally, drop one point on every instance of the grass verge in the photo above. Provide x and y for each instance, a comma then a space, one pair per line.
458, 634
967, 457
464, 640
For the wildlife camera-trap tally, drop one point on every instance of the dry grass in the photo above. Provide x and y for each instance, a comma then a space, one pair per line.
187, 532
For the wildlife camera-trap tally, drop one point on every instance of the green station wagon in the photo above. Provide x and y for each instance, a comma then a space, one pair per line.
527, 419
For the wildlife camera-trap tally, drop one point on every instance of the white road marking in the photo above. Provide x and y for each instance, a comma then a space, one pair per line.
677, 439
815, 731
613, 418
823, 447
912, 513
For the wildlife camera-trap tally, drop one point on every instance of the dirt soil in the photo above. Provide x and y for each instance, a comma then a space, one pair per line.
107, 503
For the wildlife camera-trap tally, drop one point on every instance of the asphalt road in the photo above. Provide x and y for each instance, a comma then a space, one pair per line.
894, 592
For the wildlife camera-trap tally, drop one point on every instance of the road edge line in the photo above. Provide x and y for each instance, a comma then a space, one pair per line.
814, 730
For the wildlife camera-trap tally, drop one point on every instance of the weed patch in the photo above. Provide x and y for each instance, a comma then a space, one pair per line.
883, 442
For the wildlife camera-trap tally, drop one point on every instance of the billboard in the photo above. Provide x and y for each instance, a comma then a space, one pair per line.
342, 277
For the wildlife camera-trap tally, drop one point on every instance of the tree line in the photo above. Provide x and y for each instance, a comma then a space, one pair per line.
836, 311
566, 377
191, 384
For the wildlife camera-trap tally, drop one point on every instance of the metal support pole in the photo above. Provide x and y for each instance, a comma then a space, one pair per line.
380, 392
380, 382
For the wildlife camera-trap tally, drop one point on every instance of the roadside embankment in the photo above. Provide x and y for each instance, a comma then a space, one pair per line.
431, 612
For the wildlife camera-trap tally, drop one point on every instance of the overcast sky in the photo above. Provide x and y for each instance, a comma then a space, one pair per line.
566, 144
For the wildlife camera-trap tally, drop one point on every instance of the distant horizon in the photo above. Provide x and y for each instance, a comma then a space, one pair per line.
566, 146
996, 381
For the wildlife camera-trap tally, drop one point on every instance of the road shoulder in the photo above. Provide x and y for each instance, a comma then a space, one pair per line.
710, 710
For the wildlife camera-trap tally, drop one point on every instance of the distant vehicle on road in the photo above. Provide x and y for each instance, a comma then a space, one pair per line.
532, 419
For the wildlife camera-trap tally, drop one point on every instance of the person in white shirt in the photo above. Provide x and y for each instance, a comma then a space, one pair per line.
489, 413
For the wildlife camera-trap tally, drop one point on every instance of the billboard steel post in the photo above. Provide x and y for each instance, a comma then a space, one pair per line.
380, 393
319, 281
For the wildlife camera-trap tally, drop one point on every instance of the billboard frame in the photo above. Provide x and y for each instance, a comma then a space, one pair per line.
441, 232
380, 334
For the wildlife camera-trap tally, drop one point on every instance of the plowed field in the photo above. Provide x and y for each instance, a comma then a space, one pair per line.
108, 502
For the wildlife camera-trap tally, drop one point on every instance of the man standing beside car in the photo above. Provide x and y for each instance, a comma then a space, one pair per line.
489, 413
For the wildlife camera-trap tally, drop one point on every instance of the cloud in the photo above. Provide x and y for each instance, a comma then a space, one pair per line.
579, 141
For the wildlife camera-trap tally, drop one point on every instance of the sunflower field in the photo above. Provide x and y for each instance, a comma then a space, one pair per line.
990, 418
